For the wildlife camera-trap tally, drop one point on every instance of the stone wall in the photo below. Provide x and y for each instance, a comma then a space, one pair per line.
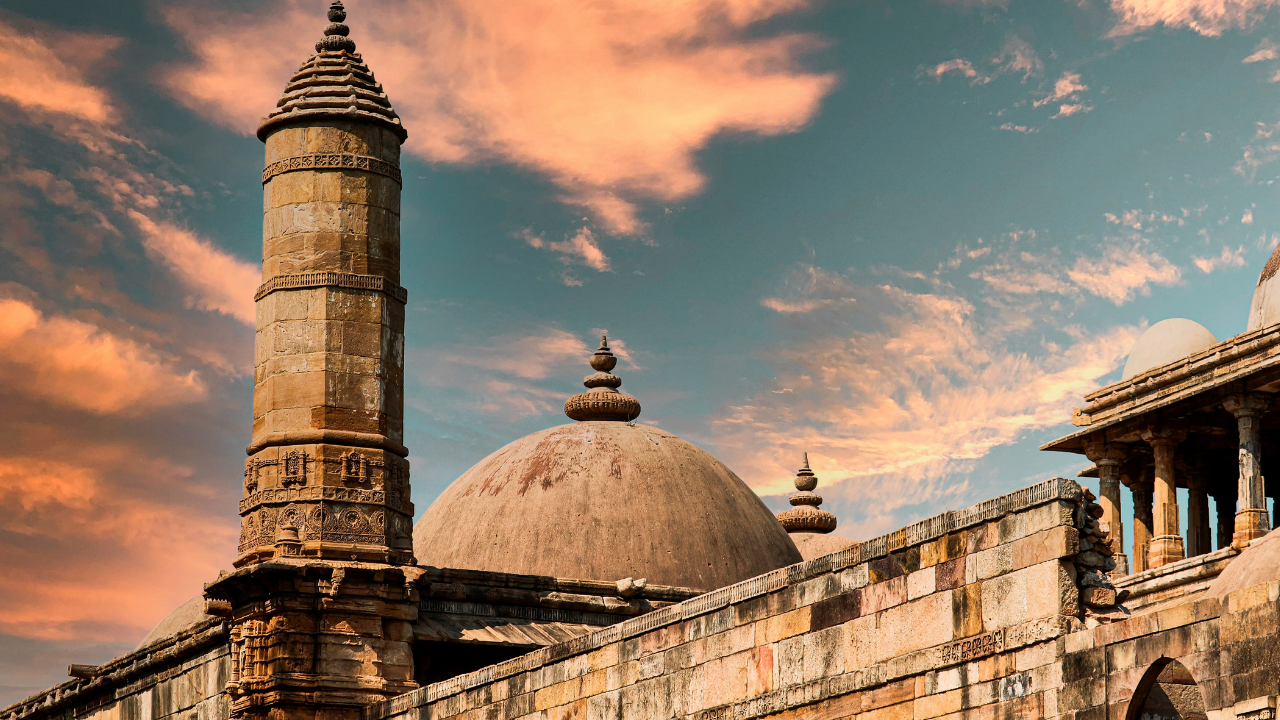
179, 678
963, 611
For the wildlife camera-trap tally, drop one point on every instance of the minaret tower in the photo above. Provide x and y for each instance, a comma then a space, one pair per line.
326, 475
324, 595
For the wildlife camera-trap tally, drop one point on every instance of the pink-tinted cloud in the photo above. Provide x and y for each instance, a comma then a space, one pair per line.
1121, 272
582, 248
44, 71
610, 100
960, 66
73, 363
939, 382
1064, 87
1207, 17
1228, 258
214, 279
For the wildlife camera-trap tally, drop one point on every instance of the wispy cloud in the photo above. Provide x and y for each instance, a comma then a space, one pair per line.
1011, 127
215, 280
46, 72
1207, 17
1067, 86
1228, 258
581, 248
1120, 272
1265, 50
810, 288
612, 102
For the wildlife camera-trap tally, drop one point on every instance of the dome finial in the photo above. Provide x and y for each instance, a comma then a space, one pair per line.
804, 516
335, 33
602, 401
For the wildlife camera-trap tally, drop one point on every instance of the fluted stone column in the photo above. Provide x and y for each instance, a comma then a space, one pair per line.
1252, 521
1109, 457
1141, 490
1166, 542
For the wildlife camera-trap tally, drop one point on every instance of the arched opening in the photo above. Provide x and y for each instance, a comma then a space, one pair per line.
1167, 692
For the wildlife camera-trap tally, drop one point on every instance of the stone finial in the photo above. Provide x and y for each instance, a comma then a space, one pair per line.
804, 516
335, 33
602, 401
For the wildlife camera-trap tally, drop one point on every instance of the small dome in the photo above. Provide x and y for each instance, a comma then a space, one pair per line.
1165, 342
1265, 309
1259, 563
814, 545
604, 500
184, 616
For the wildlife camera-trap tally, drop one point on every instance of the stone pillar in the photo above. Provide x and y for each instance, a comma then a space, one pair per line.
1224, 497
1252, 521
1199, 541
324, 595
1141, 490
1166, 541
1109, 457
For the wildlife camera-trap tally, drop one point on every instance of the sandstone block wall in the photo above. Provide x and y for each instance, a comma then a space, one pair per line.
961, 613
180, 678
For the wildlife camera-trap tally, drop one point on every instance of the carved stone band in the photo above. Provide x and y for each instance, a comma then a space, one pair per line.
331, 279
327, 437
335, 161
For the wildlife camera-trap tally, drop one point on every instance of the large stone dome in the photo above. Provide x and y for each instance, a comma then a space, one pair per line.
1164, 342
1265, 309
604, 500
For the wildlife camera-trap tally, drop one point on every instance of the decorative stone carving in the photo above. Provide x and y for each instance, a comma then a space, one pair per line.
331, 279
334, 161
602, 401
804, 516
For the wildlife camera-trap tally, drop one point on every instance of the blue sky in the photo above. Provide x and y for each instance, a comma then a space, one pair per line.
903, 237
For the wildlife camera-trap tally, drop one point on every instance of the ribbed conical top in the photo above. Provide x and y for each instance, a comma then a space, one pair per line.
335, 83
804, 516
602, 401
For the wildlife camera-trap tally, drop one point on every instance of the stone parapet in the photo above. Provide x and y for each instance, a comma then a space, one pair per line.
896, 616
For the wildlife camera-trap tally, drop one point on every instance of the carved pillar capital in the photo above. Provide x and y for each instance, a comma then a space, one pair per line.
1246, 404
1103, 453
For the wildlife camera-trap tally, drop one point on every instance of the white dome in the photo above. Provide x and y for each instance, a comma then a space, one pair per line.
1265, 309
1165, 342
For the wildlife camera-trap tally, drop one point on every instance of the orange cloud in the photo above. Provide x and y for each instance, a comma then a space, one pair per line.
215, 280
610, 100
1207, 17
76, 364
907, 406
45, 72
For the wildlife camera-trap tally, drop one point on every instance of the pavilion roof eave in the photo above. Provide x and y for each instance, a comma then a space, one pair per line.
1232, 361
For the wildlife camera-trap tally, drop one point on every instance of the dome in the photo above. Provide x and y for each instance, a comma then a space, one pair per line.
1165, 342
603, 500
1259, 563
184, 616
814, 545
1265, 309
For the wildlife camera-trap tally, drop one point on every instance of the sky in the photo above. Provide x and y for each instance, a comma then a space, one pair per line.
904, 237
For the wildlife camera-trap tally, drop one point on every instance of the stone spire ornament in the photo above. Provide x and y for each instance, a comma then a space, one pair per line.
804, 516
335, 33
602, 401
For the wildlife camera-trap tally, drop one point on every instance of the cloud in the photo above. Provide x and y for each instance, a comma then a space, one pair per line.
1017, 56
1010, 127
215, 280
1265, 50
906, 395
1071, 109
44, 70
1064, 87
580, 249
958, 65
1207, 17
610, 101
73, 363
1228, 258
1247, 218
809, 288
1121, 272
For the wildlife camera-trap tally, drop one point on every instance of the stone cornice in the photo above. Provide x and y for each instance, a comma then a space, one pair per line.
1215, 367
331, 279
332, 161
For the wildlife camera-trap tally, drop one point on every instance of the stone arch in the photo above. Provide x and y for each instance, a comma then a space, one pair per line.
1167, 691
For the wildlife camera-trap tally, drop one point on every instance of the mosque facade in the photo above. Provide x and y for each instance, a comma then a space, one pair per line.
608, 570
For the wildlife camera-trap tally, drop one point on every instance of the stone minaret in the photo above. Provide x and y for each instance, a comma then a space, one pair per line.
326, 475
324, 595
